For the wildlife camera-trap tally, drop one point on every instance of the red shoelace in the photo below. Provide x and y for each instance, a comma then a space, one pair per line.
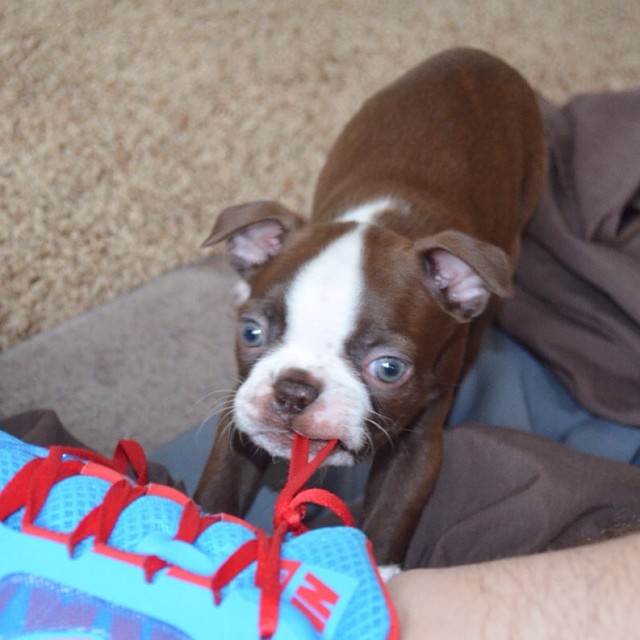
289, 512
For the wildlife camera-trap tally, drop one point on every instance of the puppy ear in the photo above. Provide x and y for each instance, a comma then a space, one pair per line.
462, 272
254, 232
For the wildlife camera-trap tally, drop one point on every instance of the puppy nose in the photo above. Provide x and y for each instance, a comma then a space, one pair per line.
292, 393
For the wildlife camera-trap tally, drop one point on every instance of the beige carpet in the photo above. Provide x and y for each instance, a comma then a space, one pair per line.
126, 125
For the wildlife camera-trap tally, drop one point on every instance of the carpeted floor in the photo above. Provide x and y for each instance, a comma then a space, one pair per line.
125, 126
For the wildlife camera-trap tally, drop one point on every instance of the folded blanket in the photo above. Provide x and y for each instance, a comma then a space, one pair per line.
504, 493
577, 290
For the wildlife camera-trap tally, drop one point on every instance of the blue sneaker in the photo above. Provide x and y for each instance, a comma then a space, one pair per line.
85, 552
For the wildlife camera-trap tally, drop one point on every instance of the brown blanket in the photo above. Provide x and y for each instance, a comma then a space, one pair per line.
503, 493
577, 293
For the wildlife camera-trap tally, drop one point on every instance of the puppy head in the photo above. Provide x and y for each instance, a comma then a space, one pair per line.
344, 328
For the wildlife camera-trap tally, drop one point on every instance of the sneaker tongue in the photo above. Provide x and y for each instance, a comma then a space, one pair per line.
176, 552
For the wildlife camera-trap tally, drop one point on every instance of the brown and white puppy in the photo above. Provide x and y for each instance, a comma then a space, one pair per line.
359, 324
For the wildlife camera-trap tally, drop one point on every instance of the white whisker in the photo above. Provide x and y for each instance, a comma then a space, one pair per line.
211, 394
379, 427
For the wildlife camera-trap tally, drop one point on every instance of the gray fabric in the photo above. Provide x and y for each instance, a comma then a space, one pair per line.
143, 366
509, 387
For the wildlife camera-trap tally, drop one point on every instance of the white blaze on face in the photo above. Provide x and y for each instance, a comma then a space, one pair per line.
322, 306
322, 302
368, 212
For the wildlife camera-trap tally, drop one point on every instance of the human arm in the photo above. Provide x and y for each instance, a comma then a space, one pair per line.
586, 592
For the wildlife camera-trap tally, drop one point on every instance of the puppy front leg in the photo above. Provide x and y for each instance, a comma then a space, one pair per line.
403, 474
231, 474
400, 483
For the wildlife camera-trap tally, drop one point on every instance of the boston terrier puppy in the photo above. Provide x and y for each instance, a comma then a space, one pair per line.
358, 324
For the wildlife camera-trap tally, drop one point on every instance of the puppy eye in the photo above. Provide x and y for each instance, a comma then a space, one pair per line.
252, 334
388, 369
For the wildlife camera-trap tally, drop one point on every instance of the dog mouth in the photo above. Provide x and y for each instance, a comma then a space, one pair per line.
315, 443
279, 442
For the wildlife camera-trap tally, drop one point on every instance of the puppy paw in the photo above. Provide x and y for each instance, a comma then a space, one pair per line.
388, 571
